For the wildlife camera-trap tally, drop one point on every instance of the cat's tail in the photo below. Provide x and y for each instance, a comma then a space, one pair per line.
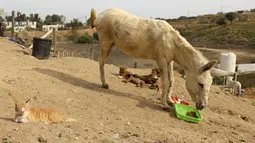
71, 120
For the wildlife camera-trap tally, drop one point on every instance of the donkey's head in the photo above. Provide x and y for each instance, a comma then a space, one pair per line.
198, 84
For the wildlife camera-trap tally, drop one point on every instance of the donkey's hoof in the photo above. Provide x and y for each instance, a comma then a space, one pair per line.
170, 103
105, 86
167, 108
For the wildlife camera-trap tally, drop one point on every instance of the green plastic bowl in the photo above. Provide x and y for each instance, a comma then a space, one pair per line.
181, 111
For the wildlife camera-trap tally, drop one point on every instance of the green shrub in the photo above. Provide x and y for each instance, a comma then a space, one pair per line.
84, 39
221, 21
95, 35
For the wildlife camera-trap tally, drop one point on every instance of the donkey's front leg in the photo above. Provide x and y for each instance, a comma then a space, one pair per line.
171, 81
165, 83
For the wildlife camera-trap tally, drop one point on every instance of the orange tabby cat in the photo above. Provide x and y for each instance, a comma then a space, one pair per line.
25, 114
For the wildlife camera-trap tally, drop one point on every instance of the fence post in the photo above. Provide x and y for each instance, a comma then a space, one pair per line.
224, 82
236, 73
13, 23
54, 41
92, 49
135, 66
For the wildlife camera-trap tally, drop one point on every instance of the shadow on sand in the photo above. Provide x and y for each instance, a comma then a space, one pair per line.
96, 87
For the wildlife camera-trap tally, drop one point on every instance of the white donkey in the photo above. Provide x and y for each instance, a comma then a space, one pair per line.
156, 40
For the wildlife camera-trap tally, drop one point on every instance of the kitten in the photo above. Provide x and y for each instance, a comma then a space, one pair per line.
24, 114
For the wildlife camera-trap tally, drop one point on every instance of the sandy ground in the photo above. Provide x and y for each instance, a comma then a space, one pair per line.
123, 113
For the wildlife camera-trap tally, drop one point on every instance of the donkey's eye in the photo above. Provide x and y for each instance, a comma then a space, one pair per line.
201, 85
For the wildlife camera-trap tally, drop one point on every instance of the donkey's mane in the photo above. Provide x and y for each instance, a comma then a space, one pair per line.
188, 55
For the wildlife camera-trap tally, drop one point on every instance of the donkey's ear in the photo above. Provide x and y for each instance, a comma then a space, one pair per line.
208, 66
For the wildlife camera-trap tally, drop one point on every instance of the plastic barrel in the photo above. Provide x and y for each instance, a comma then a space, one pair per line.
41, 48
228, 62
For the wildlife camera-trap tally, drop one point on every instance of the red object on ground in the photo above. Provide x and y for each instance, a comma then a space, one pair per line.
179, 101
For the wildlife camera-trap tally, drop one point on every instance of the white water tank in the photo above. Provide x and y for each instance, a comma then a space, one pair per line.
228, 62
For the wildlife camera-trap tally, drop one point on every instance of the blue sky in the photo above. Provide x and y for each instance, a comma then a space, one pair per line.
143, 8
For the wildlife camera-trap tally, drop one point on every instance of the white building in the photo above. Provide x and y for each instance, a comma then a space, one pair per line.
30, 24
49, 27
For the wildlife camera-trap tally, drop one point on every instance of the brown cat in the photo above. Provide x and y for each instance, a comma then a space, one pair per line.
24, 114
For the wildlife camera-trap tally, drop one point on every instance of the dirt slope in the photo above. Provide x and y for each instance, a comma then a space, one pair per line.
123, 113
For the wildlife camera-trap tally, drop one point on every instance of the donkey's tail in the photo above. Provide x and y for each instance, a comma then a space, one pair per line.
92, 17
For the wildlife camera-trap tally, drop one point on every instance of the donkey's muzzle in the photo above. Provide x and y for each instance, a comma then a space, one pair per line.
200, 106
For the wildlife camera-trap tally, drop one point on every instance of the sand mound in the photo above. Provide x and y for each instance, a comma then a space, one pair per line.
124, 113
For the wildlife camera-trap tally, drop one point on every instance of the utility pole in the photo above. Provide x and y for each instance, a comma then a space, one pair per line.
188, 14
13, 23
220, 8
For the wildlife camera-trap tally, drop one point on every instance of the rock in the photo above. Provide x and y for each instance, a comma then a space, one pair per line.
101, 132
116, 136
60, 135
243, 140
234, 133
245, 118
128, 123
16, 129
107, 140
230, 112
42, 139
76, 138
125, 136
135, 135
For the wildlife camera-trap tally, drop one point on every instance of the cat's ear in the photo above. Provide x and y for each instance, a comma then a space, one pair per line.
28, 101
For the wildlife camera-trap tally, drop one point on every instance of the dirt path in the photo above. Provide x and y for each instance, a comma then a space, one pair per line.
243, 55
123, 113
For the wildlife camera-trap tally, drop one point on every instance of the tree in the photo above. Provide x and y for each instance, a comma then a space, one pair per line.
62, 19
31, 18
36, 18
231, 16
75, 24
182, 18
1, 19
8, 18
53, 19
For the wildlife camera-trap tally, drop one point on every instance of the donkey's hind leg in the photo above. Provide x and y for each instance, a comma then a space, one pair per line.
105, 49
